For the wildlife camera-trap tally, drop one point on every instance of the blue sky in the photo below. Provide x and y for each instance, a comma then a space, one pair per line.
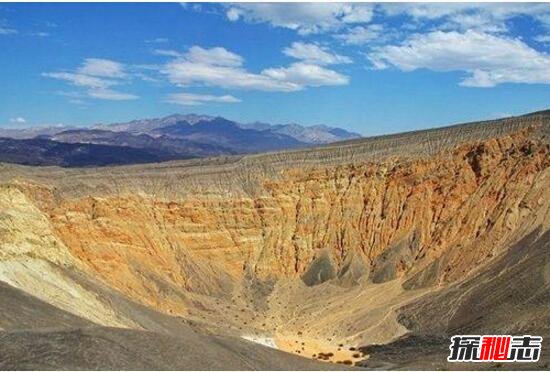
371, 68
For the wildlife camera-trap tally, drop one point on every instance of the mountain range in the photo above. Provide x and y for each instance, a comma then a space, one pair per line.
159, 139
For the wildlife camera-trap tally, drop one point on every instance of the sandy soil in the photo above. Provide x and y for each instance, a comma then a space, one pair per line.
320, 350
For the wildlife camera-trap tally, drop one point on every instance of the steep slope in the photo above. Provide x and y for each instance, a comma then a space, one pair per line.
117, 349
37, 335
511, 296
21, 311
318, 251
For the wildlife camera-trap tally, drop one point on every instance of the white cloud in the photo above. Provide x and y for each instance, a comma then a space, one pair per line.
18, 120
544, 18
145, 77
78, 102
40, 34
362, 34
215, 56
76, 98
439, 10
81, 80
305, 18
233, 14
314, 54
543, 38
304, 74
70, 94
426, 10
471, 38
488, 17
477, 21
222, 68
190, 99
5, 29
308, 18
184, 73
167, 52
158, 40
487, 59
50, 24
97, 76
111, 95
357, 13
145, 66
102, 68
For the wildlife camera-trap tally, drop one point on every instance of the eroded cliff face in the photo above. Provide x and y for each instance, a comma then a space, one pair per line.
429, 221
34, 259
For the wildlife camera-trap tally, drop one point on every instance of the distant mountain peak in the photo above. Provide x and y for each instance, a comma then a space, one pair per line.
315, 134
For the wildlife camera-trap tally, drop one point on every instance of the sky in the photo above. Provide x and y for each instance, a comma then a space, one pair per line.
372, 68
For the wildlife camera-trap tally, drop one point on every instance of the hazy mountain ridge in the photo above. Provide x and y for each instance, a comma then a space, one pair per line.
227, 133
179, 147
317, 134
147, 125
153, 140
309, 134
33, 132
